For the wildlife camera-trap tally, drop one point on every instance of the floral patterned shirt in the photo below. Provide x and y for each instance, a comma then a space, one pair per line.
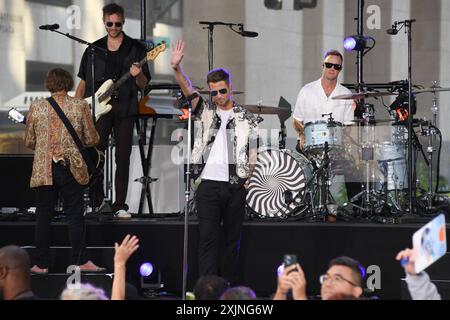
46, 134
242, 133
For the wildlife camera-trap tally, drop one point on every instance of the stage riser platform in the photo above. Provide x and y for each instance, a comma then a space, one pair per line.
262, 249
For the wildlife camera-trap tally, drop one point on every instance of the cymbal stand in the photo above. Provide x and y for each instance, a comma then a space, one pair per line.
370, 200
431, 133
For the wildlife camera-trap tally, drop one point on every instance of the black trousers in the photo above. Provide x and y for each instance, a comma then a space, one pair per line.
72, 194
123, 137
219, 202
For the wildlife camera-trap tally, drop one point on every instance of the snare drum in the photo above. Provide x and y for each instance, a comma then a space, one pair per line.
319, 132
278, 183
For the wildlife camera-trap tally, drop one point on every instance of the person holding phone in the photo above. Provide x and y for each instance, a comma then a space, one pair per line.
343, 280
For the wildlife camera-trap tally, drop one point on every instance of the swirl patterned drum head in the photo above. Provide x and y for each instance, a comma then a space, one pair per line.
278, 183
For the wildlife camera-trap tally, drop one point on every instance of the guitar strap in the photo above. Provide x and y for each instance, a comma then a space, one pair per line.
84, 152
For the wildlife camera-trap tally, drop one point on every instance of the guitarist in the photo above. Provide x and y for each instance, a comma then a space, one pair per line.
58, 166
123, 56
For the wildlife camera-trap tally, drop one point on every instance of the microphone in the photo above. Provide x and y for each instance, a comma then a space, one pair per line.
49, 27
393, 30
250, 34
245, 33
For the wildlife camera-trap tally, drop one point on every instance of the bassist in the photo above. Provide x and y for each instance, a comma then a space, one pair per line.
123, 56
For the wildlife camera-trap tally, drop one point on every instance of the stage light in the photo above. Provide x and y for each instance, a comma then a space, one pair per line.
355, 43
151, 279
146, 269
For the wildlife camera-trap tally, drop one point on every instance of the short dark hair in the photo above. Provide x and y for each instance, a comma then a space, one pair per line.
113, 8
14, 257
333, 53
218, 75
58, 80
210, 287
357, 269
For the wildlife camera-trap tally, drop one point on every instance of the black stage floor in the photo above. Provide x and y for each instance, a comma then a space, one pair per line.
263, 245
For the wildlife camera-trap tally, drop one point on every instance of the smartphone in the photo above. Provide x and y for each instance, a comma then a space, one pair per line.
289, 260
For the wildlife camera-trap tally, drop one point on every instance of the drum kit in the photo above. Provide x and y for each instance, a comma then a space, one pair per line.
295, 184
289, 183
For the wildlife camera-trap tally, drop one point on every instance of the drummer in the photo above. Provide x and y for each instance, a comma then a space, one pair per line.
315, 100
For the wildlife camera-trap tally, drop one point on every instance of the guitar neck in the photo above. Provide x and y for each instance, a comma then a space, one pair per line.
127, 75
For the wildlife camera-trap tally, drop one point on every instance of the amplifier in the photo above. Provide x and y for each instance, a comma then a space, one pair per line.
15, 173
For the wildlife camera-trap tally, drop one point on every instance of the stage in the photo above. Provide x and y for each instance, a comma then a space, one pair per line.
262, 249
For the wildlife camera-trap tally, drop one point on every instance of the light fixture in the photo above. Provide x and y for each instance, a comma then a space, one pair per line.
146, 269
355, 43
359, 43
151, 279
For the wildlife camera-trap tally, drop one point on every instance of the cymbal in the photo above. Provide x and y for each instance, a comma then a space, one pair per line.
207, 92
258, 109
431, 89
363, 95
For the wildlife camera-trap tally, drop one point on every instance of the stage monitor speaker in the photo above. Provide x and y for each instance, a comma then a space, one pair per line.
167, 192
15, 173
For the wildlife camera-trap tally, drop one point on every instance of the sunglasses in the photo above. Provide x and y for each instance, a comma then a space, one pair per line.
337, 67
216, 92
109, 24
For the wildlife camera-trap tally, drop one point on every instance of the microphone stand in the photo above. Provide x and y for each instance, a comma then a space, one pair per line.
408, 25
210, 27
187, 196
93, 50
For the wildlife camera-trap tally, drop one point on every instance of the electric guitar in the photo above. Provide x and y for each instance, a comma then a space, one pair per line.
97, 156
103, 94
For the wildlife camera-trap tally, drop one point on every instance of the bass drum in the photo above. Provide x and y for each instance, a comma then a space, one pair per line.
278, 184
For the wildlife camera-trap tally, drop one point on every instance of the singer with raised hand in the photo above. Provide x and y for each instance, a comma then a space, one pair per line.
223, 158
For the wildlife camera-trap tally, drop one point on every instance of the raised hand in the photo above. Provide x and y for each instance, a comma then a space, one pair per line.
285, 282
299, 283
123, 251
408, 257
177, 54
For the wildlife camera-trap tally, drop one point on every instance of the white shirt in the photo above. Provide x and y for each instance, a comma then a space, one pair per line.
312, 102
216, 167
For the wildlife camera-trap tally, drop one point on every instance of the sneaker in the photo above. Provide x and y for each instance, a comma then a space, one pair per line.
122, 214
91, 267
36, 270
